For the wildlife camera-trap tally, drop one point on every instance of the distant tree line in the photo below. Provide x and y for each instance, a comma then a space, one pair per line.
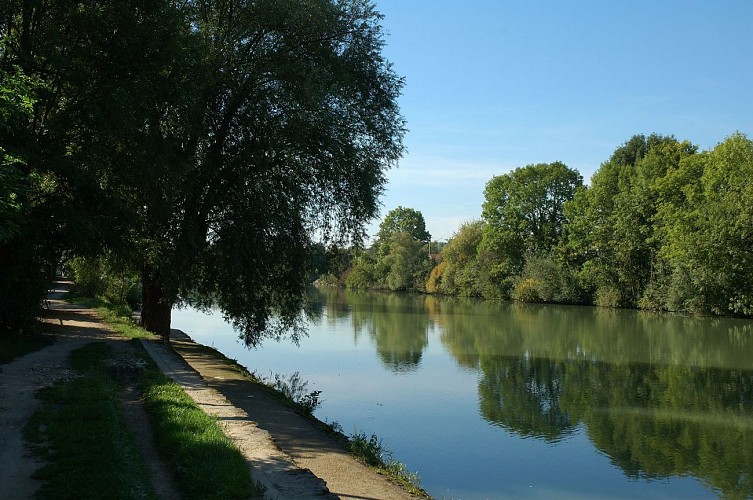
661, 226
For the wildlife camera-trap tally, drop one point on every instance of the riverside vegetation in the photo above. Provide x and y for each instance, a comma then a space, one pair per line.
661, 226
288, 389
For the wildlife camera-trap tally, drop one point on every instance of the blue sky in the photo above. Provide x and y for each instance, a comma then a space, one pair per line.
496, 84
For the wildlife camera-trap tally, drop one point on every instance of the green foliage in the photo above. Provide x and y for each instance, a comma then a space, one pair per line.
611, 224
523, 215
24, 226
372, 452
169, 150
398, 259
403, 220
104, 277
361, 275
706, 225
294, 388
544, 279
404, 262
460, 255
436, 278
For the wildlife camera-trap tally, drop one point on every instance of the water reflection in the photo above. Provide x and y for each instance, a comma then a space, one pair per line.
398, 324
660, 395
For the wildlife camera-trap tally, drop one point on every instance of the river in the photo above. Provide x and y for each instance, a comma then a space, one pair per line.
500, 400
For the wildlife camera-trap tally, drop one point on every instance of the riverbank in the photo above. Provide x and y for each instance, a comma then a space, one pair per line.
287, 453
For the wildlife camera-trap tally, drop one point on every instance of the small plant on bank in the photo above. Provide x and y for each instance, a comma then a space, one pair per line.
372, 452
293, 387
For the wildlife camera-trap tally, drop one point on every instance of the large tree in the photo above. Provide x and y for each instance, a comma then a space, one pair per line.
611, 224
403, 220
706, 216
225, 134
523, 215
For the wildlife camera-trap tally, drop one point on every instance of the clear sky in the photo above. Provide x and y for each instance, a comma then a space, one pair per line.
496, 84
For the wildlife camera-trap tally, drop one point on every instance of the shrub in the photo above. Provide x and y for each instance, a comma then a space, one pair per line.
103, 278
527, 290
434, 282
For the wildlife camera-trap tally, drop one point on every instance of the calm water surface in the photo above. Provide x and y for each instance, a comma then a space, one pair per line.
497, 400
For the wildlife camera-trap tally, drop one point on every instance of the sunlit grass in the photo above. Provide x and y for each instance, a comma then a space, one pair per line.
207, 463
118, 316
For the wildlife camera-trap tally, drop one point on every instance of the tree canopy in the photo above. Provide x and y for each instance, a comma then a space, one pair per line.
218, 136
523, 215
403, 220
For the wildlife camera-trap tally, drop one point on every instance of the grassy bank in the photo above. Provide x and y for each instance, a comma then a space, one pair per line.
81, 434
207, 463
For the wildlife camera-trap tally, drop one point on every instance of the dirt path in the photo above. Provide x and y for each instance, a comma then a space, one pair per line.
286, 452
73, 327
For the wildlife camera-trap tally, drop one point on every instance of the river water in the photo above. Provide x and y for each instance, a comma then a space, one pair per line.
499, 400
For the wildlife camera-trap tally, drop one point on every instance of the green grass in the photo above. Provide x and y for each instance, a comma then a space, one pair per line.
82, 436
207, 463
118, 316
14, 346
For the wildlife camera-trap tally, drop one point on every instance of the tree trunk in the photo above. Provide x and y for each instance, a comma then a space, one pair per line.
155, 307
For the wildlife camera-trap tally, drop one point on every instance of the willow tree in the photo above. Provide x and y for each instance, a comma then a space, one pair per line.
227, 135
298, 121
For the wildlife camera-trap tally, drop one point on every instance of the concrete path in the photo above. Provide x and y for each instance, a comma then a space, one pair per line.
269, 466
280, 443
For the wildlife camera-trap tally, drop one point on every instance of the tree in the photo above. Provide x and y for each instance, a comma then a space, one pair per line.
403, 220
226, 135
460, 256
24, 261
611, 224
523, 215
404, 265
707, 230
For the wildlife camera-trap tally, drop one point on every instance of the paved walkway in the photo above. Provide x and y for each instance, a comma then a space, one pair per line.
290, 455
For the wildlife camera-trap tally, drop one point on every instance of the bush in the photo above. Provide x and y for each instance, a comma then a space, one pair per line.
103, 278
608, 296
434, 282
360, 277
527, 290
546, 280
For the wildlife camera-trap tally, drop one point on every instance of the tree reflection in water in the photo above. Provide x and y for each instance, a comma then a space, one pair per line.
660, 395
